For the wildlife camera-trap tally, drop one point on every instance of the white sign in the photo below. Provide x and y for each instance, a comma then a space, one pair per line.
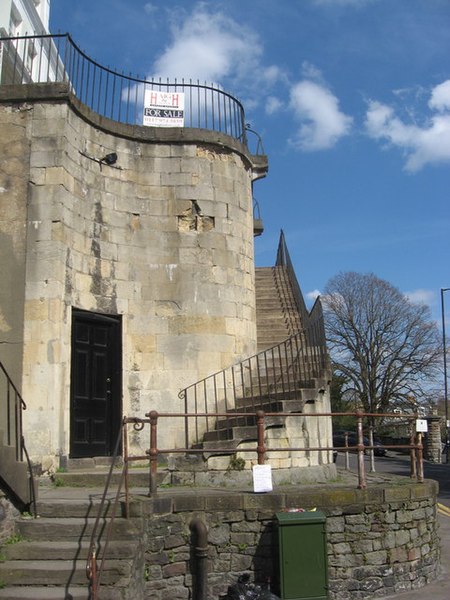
262, 478
163, 109
421, 425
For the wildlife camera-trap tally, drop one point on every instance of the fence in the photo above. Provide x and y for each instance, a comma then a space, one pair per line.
117, 96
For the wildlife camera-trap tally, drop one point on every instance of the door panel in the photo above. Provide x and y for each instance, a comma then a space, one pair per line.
95, 385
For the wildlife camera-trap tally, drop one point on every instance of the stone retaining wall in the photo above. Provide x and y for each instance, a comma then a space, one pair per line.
380, 541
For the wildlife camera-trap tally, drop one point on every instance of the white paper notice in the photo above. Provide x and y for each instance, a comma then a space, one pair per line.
262, 478
421, 426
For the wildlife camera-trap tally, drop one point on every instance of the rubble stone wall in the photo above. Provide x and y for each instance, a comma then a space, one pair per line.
380, 541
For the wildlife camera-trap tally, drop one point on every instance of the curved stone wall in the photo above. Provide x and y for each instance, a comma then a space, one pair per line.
380, 541
162, 238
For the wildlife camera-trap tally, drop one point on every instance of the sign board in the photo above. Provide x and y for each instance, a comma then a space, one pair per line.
262, 478
163, 109
421, 425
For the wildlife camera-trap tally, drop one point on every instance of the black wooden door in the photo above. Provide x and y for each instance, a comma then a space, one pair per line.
95, 384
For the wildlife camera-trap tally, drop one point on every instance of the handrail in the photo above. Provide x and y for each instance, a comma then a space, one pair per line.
117, 96
12, 406
259, 422
272, 375
93, 571
13, 415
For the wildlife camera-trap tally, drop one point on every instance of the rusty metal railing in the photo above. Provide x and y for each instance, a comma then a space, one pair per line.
112, 94
96, 560
260, 449
98, 551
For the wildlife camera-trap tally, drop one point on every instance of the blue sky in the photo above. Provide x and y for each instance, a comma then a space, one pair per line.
352, 100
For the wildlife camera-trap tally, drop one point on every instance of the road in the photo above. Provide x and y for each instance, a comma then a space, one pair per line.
398, 464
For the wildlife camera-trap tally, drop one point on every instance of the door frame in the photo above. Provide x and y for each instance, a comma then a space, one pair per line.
115, 356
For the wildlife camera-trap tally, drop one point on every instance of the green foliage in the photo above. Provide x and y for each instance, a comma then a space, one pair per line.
339, 403
15, 538
236, 463
58, 482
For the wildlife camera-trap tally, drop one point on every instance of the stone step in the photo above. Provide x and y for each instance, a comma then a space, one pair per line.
60, 572
66, 550
47, 593
138, 478
72, 528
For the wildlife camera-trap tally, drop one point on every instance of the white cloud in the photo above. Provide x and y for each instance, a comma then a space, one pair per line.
427, 144
273, 105
313, 295
322, 124
210, 47
150, 8
440, 97
421, 296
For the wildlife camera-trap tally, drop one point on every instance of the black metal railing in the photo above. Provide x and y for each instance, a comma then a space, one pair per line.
117, 96
271, 376
11, 406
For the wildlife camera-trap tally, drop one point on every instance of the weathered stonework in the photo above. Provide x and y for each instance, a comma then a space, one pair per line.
380, 541
163, 238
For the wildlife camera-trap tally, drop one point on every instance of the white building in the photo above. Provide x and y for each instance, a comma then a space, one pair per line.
25, 60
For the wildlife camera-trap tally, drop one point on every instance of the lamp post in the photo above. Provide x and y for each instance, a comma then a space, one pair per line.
443, 290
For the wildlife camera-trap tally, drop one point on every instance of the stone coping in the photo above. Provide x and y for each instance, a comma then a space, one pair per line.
60, 92
326, 497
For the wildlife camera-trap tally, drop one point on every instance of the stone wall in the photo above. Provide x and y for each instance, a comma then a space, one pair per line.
380, 541
8, 514
163, 238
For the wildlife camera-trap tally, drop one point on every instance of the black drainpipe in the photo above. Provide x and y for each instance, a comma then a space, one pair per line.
199, 560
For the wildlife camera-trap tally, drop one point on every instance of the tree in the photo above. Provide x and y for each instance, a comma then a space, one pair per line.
386, 347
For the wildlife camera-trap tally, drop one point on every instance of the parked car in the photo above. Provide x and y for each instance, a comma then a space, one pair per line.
339, 442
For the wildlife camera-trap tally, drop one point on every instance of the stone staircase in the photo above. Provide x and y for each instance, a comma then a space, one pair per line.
277, 315
278, 318
46, 558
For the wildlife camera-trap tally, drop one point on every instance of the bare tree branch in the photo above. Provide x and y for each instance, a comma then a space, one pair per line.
386, 347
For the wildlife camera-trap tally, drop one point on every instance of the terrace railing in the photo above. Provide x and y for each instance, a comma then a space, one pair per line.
116, 95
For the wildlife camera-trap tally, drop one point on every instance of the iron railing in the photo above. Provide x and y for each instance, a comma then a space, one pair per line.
117, 96
12, 406
260, 451
102, 532
265, 380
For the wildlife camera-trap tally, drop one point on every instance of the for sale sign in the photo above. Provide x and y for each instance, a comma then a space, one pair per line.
163, 109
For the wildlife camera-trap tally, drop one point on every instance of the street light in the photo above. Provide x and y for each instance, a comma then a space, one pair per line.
443, 290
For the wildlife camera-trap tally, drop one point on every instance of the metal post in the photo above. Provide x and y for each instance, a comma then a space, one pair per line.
361, 467
419, 458
412, 452
444, 348
153, 452
347, 456
261, 449
126, 466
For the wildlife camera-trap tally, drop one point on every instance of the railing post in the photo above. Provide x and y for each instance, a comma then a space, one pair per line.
361, 467
153, 452
261, 449
125, 458
347, 455
419, 458
412, 452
